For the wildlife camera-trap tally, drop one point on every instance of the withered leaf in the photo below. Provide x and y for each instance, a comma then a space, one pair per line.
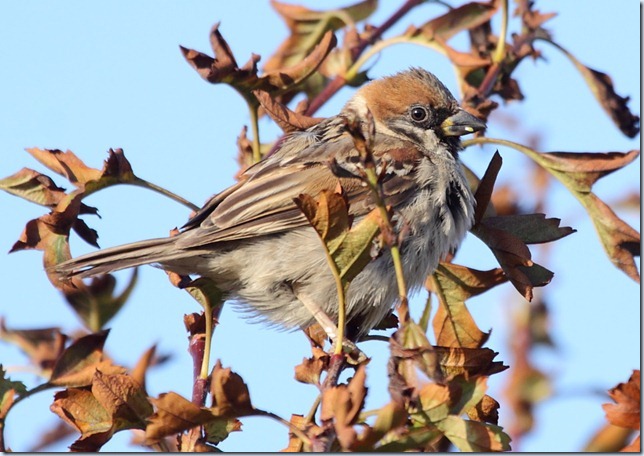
389, 418
80, 409
515, 259
223, 67
580, 170
530, 228
453, 284
601, 86
349, 246
486, 410
33, 186
9, 389
310, 369
343, 404
289, 121
78, 363
95, 303
67, 164
475, 436
411, 351
218, 429
43, 346
483, 192
230, 396
611, 439
123, 398
626, 410
457, 19
470, 362
174, 414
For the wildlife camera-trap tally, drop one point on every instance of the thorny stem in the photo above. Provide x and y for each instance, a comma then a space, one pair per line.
339, 81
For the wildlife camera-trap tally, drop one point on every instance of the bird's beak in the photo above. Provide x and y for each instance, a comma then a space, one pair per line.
461, 123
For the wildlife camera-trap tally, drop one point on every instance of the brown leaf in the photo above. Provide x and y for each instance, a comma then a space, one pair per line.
230, 396
78, 363
96, 303
601, 86
454, 284
470, 362
514, 257
626, 410
610, 439
484, 189
80, 409
580, 170
143, 364
123, 398
223, 67
487, 410
621, 242
411, 352
9, 389
343, 404
474, 435
310, 369
289, 121
67, 164
530, 228
458, 19
174, 414
295, 445
43, 346
33, 186
389, 418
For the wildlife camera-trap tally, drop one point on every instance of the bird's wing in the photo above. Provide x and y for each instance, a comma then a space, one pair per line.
263, 202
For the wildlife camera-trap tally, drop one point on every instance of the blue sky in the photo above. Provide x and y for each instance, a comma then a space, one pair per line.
87, 76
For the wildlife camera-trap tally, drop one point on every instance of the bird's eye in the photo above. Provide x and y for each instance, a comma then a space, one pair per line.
418, 114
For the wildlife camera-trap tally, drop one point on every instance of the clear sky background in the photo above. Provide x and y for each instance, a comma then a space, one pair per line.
87, 76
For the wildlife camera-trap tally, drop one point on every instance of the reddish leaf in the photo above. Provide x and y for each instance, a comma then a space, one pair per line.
174, 414
33, 186
311, 368
230, 396
287, 120
42, 346
454, 284
626, 410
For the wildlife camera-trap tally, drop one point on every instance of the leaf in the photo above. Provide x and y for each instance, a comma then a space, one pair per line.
67, 164
580, 170
601, 86
230, 396
483, 192
464, 17
470, 362
96, 303
514, 257
343, 404
218, 429
9, 389
411, 351
123, 398
453, 284
473, 435
174, 414
289, 121
78, 363
33, 186
223, 67
390, 417
42, 346
621, 242
80, 409
310, 369
530, 228
609, 439
349, 247
486, 410
626, 410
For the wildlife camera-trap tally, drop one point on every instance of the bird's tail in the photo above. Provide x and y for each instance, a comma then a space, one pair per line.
120, 257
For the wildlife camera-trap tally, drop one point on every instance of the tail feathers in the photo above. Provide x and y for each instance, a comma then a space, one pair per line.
120, 257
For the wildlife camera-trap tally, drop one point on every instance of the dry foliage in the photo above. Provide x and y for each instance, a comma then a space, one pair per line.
438, 389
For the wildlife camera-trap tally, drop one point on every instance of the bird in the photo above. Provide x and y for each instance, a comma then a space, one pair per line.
256, 245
